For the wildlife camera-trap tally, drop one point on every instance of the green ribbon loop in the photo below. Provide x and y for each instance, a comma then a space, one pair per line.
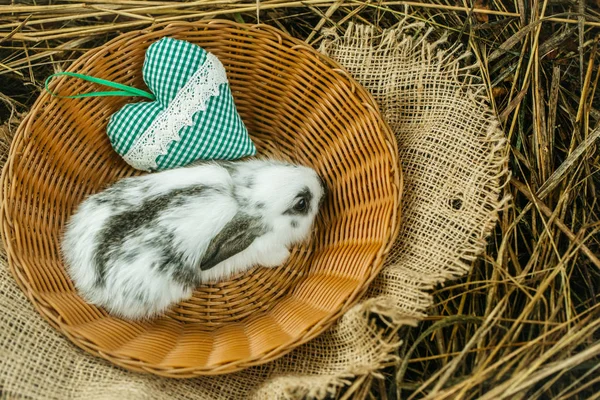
124, 90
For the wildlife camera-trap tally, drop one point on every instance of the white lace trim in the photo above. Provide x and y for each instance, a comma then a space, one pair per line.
192, 98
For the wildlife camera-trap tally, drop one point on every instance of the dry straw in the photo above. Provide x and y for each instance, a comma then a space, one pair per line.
523, 322
451, 210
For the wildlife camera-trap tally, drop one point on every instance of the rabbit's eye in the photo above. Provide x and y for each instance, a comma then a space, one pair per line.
301, 206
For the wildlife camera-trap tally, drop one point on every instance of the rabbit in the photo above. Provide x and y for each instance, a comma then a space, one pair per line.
146, 242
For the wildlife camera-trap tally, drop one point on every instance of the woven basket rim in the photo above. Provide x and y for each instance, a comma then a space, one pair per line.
47, 311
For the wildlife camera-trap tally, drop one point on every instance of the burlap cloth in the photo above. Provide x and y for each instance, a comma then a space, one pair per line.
454, 159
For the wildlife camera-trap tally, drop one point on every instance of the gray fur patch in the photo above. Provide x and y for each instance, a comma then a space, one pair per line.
241, 200
130, 255
171, 261
125, 224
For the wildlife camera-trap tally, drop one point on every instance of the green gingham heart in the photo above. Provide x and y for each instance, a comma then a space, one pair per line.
193, 117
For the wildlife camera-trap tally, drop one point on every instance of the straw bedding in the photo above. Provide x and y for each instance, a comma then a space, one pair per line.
454, 162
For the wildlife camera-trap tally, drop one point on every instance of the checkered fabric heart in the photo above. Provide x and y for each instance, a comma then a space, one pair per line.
193, 117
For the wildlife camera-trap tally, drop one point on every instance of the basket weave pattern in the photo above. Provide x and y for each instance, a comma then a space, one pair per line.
298, 106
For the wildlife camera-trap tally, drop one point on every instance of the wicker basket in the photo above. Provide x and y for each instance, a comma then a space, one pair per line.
297, 105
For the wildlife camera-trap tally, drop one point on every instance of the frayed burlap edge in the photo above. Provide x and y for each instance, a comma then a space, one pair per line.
36, 362
447, 65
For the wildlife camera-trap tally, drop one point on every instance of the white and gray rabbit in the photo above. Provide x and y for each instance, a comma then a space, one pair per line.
146, 242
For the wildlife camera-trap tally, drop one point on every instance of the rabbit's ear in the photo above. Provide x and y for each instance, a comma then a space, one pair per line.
237, 235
